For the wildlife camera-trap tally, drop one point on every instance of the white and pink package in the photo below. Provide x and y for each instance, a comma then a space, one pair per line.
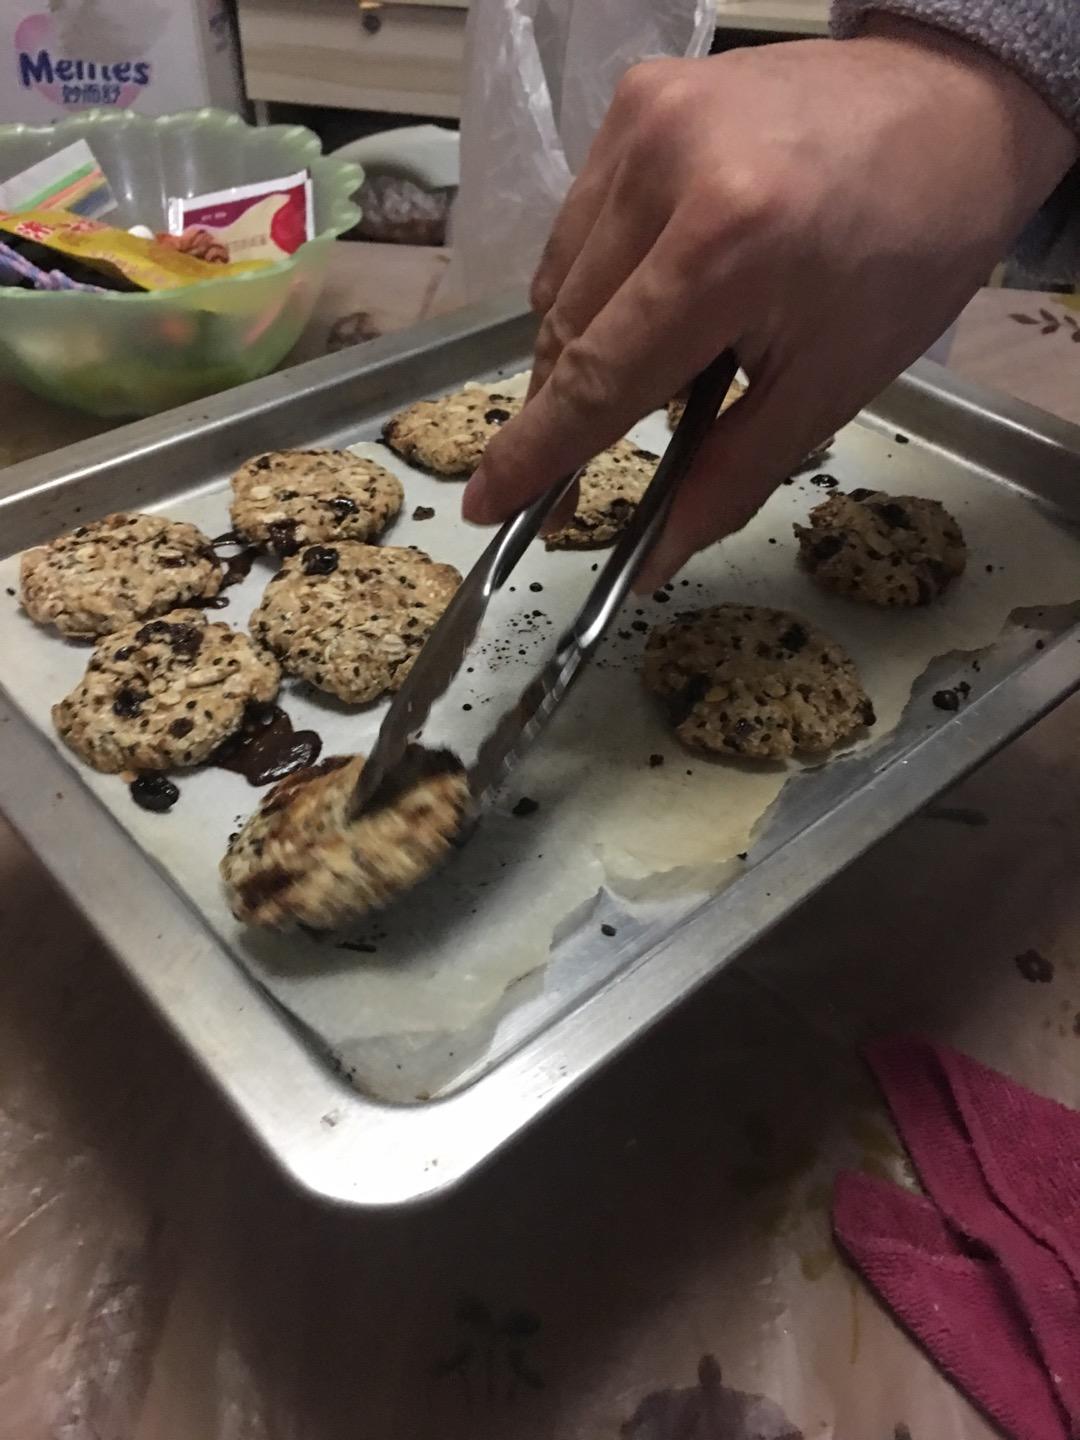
264, 220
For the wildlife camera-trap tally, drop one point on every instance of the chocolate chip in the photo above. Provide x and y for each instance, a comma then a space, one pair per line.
655, 760
320, 560
262, 463
946, 699
128, 703
10, 589
794, 638
124, 653
154, 792
342, 507
536, 587
424, 512
525, 806
825, 482
860, 494
608, 930
661, 597
1035, 967
825, 548
496, 417
894, 515
900, 439
179, 728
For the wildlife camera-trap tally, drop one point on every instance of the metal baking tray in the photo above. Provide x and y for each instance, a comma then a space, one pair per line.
346, 1146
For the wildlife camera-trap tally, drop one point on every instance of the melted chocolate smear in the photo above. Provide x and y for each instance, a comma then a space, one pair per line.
416, 765
238, 567
211, 602
231, 537
283, 539
154, 792
266, 748
708, 1411
525, 806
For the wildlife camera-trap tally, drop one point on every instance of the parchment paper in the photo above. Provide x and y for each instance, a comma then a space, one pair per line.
449, 966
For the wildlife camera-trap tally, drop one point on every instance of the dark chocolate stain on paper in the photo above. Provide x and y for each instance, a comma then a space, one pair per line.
709, 1410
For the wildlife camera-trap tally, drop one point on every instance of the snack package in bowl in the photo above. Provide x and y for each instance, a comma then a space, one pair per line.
262, 220
123, 261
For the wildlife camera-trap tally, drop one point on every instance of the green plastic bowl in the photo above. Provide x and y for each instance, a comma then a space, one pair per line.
122, 355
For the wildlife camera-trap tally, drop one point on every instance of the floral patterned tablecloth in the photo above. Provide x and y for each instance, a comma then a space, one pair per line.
653, 1261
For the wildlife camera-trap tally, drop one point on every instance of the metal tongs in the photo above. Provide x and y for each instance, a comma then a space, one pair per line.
446, 647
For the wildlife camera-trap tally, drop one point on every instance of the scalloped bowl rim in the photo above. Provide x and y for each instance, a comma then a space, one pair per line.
345, 213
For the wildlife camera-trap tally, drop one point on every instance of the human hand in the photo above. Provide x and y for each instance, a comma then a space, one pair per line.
824, 208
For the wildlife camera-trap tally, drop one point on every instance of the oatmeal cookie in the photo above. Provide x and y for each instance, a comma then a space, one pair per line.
161, 694
351, 618
751, 681
300, 858
448, 435
888, 550
109, 572
289, 498
609, 491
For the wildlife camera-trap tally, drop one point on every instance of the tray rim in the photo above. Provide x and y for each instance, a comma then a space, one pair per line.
333, 1142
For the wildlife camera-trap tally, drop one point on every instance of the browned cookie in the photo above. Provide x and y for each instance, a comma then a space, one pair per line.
300, 858
289, 498
351, 618
609, 491
449, 435
164, 693
109, 572
751, 681
889, 550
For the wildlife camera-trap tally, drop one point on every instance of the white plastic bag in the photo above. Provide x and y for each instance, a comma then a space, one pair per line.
541, 74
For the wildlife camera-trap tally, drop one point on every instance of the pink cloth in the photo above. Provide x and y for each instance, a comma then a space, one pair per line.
985, 1270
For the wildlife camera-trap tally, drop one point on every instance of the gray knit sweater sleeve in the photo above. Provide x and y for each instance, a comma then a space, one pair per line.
1040, 40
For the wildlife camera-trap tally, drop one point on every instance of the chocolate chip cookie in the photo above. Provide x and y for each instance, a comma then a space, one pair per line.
609, 491
286, 499
888, 550
449, 435
161, 694
109, 572
750, 681
301, 858
351, 618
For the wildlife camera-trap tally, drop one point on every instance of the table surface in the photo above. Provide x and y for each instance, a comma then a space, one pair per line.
160, 1281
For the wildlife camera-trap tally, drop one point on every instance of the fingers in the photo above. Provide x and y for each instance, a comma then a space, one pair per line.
645, 343
752, 448
626, 228
587, 194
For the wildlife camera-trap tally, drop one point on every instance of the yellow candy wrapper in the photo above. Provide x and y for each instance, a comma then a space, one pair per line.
146, 264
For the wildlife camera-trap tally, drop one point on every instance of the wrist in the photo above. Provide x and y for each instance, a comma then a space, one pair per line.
971, 87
